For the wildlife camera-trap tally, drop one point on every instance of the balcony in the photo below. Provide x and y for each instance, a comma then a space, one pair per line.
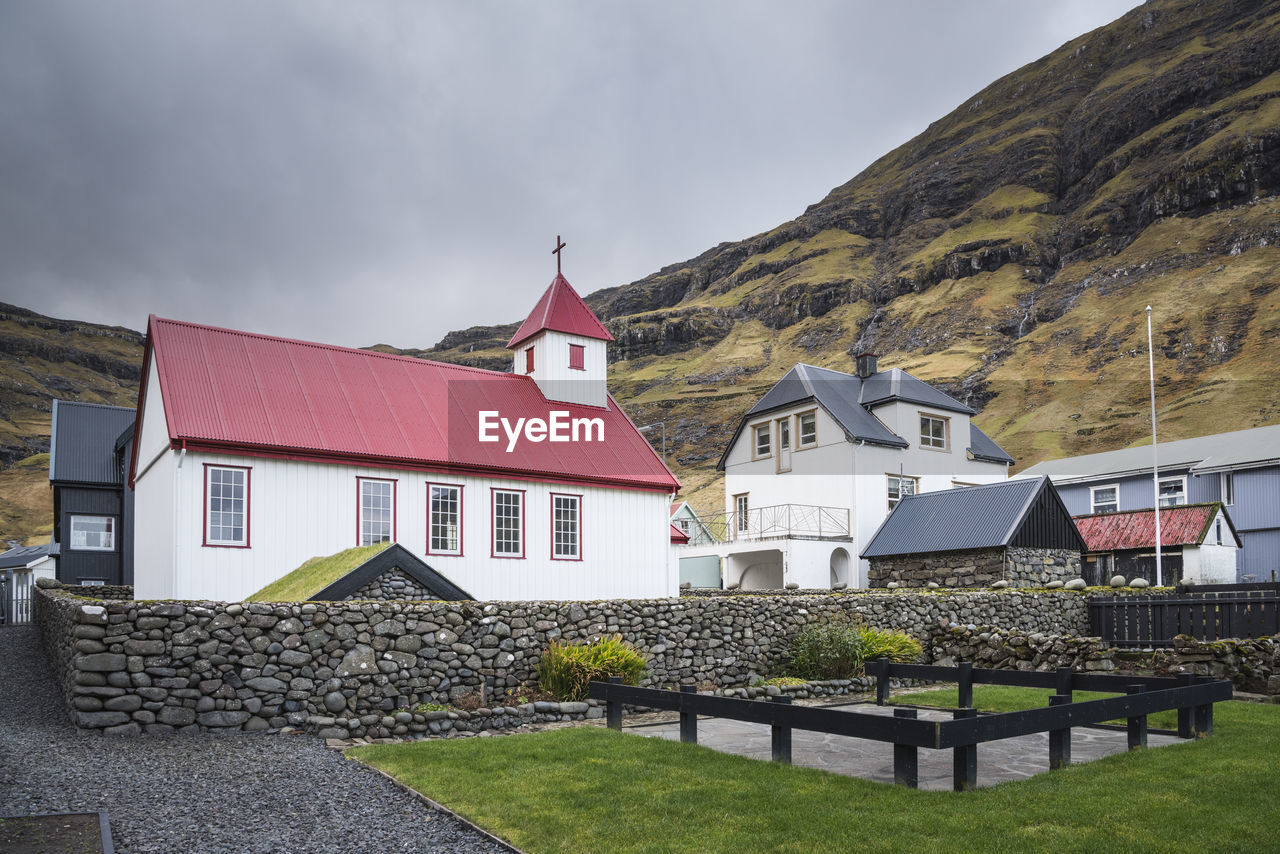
796, 521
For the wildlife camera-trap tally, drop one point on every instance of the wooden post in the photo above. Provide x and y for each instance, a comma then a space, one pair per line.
1185, 725
613, 709
964, 762
1138, 725
965, 683
906, 767
688, 720
1064, 682
1059, 739
882, 681
1204, 720
781, 735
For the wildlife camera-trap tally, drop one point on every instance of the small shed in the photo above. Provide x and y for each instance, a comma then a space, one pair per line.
1017, 531
1198, 544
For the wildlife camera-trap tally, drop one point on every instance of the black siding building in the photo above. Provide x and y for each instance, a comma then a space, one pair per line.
92, 508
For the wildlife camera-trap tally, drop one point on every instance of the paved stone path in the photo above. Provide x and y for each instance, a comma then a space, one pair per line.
196, 792
998, 761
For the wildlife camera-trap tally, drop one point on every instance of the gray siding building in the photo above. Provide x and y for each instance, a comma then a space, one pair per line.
92, 508
1240, 469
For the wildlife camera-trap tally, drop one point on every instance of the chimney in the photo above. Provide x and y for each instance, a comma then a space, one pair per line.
866, 364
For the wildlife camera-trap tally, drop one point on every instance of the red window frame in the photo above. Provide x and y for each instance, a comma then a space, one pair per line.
577, 357
553, 498
204, 523
493, 523
460, 488
395, 505
528, 360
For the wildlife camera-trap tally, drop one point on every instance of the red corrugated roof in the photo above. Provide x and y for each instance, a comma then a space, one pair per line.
562, 310
1179, 526
249, 393
678, 536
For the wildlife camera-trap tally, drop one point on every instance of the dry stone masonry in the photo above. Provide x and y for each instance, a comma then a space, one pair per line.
393, 585
360, 667
1019, 566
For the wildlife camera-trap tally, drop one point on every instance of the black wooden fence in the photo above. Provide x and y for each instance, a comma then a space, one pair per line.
1204, 613
1192, 696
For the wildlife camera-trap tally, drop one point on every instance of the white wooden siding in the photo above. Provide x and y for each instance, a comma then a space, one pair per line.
553, 375
154, 436
299, 510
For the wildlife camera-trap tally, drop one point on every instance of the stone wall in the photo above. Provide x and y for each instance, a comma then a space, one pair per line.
156, 666
394, 585
1252, 664
1001, 649
1019, 566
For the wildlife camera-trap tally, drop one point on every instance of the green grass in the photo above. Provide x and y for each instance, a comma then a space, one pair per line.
315, 575
589, 789
1004, 698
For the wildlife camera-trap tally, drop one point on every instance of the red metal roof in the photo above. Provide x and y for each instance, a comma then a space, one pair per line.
562, 310
248, 393
678, 537
1136, 529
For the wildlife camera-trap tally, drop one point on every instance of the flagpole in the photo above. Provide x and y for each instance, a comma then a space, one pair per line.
1155, 462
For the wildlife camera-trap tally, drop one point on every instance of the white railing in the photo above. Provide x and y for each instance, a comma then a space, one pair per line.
764, 523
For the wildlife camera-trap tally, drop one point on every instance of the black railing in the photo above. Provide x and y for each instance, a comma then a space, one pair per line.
1206, 615
1192, 696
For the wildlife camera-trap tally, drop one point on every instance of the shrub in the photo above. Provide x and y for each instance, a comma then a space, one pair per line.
565, 669
838, 648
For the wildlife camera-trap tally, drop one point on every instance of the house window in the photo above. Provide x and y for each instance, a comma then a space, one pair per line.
577, 357
684, 525
808, 423
377, 511
93, 533
740, 507
1173, 491
508, 523
762, 440
528, 360
784, 445
566, 527
900, 487
1228, 488
444, 522
1104, 499
1218, 527
226, 506
933, 432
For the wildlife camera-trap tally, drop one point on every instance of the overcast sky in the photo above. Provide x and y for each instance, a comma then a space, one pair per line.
370, 172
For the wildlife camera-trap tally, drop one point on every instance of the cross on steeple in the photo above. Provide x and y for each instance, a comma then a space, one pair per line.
556, 252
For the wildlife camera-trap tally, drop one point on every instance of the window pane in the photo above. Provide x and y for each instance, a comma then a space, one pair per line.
564, 526
375, 511
507, 515
226, 503
444, 522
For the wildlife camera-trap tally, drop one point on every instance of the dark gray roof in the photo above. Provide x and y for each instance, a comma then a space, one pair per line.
897, 384
82, 447
971, 517
983, 447
847, 398
24, 555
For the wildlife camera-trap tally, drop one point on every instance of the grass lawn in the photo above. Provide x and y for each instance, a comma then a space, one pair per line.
588, 789
1004, 698
315, 575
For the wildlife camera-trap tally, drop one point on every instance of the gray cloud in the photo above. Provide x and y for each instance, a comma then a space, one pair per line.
357, 173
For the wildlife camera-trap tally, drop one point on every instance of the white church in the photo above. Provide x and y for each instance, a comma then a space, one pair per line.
253, 453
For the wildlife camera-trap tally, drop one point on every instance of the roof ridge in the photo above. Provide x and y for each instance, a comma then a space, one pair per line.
63, 402
331, 347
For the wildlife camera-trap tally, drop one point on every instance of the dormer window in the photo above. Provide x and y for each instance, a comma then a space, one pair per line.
528, 360
762, 444
577, 357
933, 432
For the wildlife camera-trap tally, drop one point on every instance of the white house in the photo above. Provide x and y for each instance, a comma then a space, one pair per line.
816, 465
253, 453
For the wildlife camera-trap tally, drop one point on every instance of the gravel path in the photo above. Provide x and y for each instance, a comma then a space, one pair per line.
205, 793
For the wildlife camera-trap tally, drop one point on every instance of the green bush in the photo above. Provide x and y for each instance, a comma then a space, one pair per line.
838, 648
566, 669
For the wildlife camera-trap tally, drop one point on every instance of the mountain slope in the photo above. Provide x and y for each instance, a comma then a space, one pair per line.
1008, 253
